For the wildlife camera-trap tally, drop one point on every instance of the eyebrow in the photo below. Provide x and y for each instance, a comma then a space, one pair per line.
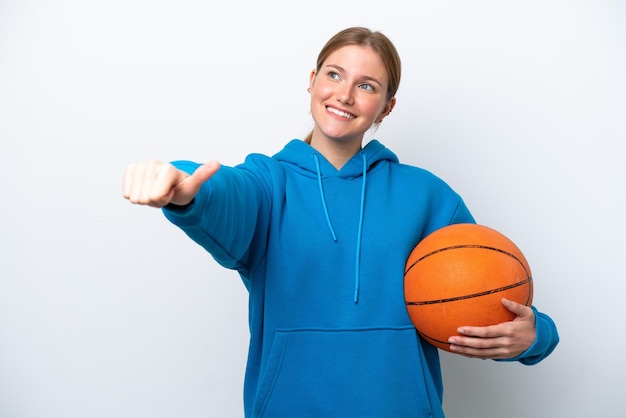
364, 77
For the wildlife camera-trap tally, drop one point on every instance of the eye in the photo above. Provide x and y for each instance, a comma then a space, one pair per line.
334, 75
366, 87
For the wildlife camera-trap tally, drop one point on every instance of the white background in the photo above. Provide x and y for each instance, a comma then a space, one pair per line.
107, 310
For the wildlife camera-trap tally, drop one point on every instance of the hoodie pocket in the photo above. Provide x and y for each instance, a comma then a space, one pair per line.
373, 373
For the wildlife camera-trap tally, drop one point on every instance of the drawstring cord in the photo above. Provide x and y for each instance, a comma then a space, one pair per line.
357, 280
357, 272
319, 182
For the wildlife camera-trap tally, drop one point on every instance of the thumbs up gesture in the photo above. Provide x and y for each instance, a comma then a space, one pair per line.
157, 184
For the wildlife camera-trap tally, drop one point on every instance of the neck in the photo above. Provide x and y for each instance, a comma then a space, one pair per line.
336, 152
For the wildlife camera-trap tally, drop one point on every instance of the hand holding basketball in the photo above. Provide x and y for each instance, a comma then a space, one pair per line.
501, 341
157, 184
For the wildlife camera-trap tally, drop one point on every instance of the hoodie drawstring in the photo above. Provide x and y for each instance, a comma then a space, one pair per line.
357, 272
357, 280
319, 182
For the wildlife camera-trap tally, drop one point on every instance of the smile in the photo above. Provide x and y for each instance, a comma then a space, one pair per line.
340, 113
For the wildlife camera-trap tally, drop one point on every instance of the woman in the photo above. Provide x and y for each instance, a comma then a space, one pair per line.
320, 233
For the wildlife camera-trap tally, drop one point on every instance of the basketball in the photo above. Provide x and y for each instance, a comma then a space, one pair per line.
457, 276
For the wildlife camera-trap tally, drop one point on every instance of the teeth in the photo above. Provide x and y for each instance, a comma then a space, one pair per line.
340, 113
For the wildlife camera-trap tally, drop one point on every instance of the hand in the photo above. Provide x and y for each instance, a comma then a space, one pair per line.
502, 341
157, 184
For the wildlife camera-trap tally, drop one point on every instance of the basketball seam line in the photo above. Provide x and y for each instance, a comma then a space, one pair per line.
487, 292
454, 247
433, 339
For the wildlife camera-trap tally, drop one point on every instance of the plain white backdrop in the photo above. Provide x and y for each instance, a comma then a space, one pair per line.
108, 311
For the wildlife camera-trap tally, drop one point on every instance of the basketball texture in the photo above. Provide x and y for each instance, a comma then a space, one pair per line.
458, 275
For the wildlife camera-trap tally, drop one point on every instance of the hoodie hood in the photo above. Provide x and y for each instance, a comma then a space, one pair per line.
300, 153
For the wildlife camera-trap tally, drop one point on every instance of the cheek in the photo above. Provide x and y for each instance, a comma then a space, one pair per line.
373, 107
320, 94
321, 91
315, 104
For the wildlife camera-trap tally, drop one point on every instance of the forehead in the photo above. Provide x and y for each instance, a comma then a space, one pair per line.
361, 60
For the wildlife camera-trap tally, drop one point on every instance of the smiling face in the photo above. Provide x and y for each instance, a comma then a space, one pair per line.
348, 95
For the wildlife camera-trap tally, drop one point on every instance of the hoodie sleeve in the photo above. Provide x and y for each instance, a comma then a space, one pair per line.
228, 214
546, 340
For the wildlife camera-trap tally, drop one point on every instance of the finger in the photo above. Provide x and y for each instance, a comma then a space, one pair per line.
134, 179
127, 181
146, 180
486, 353
517, 308
188, 185
502, 347
483, 347
481, 332
161, 181
203, 173
149, 183
476, 342
473, 347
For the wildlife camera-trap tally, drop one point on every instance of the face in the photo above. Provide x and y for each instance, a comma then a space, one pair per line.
349, 94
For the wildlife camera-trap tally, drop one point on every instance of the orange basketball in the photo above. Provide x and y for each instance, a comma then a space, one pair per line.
458, 275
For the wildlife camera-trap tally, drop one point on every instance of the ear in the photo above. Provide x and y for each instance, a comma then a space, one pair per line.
386, 110
312, 77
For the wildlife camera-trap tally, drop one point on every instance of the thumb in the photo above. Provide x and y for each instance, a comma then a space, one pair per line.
186, 189
203, 173
520, 311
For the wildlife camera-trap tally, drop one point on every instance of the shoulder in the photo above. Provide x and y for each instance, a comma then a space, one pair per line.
261, 165
418, 176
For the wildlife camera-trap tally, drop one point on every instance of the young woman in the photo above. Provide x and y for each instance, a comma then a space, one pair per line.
320, 233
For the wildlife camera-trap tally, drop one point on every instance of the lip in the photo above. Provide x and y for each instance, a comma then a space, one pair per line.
341, 113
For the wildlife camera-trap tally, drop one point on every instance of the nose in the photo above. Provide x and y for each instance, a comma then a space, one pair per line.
344, 94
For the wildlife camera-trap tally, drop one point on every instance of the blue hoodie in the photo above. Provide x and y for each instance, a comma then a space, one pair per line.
322, 253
